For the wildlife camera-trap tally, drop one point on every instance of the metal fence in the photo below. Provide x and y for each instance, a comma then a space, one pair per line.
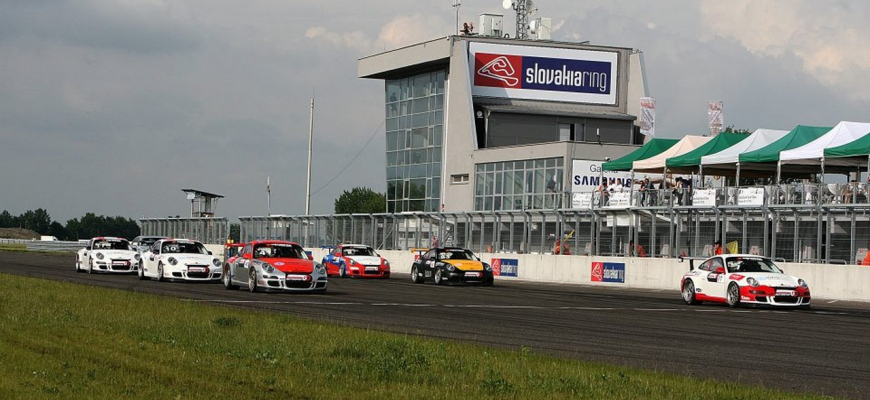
836, 234
206, 230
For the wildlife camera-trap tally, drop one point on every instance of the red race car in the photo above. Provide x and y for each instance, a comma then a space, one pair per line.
356, 260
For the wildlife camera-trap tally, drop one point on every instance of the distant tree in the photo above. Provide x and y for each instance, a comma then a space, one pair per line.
732, 129
360, 200
91, 225
57, 230
235, 232
7, 220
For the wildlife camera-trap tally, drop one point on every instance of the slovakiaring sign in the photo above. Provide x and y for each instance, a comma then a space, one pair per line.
543, 73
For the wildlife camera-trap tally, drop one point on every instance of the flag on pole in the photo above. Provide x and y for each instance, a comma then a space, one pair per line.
648, 116
268, 185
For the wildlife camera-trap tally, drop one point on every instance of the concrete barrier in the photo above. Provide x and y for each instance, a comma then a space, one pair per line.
826, 281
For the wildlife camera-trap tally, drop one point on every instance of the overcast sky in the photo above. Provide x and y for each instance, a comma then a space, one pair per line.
112, 107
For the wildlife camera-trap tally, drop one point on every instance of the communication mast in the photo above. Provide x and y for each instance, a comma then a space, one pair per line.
524, 8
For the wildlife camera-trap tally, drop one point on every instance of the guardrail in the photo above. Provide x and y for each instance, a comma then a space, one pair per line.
37, 245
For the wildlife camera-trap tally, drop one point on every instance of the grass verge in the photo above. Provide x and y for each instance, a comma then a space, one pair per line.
13, 247
60, 340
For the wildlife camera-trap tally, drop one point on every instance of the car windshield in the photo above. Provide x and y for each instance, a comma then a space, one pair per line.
358, 251
183, 247
752, 264
111, 245
278, 250
457, 254
146, 241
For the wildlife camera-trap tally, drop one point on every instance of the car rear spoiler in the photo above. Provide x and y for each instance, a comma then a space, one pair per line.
692, 261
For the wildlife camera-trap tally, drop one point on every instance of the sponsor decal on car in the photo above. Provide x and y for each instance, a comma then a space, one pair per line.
505, 267
608, 272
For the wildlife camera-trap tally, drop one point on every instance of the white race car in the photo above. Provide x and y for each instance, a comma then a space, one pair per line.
736, 279
179, 259
107, 254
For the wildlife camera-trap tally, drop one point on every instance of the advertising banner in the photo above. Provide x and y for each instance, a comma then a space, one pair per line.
715, 117
648, 116
750, 197
619, 200
543, 73
704, 197
608, 272
505, 267
581, 201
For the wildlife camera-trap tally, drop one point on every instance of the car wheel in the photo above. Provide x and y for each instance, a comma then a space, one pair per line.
228, 279
489, 282
415, 277
439, 278
689, 293
342, 271
252, 280
90, 266
733, 295
78, 264
160, 272
141, 273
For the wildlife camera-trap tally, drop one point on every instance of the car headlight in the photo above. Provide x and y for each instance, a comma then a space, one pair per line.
752, 282
216, 262
99, 256
137, 256
487, 267
319, 269
451, 268
803, 283
172, 261
267, 267
386, 263
351, 261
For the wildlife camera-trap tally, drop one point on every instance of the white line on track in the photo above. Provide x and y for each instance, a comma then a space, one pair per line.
832, 301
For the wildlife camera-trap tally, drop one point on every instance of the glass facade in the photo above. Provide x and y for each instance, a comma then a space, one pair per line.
519, 185
415, 124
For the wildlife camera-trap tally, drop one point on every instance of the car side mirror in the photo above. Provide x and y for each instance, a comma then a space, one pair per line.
209, 252
247, 256
720, 270
311, 257
151, 258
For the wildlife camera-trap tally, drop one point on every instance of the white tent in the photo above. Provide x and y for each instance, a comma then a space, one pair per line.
657, 163
813, 153
729, 159
758, 139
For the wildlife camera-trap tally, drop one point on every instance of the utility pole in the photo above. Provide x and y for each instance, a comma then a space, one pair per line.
310, 147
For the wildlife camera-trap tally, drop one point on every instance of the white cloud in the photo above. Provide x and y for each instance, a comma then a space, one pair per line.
400, 31
829, 38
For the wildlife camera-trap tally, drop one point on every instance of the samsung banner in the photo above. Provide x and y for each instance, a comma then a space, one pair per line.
541, 73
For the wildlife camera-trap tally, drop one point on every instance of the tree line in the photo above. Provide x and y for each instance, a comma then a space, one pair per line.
86, 227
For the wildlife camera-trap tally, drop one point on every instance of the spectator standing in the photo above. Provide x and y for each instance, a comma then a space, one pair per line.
717, 247
558, 248
636, 251
435, 241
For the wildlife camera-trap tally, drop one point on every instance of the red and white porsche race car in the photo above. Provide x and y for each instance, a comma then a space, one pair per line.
736, 279
356, 260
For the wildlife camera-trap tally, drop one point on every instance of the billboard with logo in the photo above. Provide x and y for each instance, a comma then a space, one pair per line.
542, 73
608, 272
505, 267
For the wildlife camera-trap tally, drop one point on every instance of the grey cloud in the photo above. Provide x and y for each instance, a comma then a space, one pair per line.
113, 26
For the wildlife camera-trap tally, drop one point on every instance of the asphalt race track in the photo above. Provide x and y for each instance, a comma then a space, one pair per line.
825, 350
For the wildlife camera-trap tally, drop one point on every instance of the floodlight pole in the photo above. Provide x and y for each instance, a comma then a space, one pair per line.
310, 142
456, 4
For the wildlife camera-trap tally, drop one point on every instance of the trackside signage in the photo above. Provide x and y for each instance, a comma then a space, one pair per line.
505, 267
538, 73
608, 272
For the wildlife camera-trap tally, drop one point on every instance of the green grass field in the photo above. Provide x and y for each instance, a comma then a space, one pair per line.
12, 247
63, 341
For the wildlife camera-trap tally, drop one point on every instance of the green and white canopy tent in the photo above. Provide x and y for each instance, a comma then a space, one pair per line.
727, 162
690, 162
767, 158
652, 148
813, 153
857, 151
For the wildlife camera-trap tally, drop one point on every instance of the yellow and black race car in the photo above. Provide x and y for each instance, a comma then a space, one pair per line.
450, 265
